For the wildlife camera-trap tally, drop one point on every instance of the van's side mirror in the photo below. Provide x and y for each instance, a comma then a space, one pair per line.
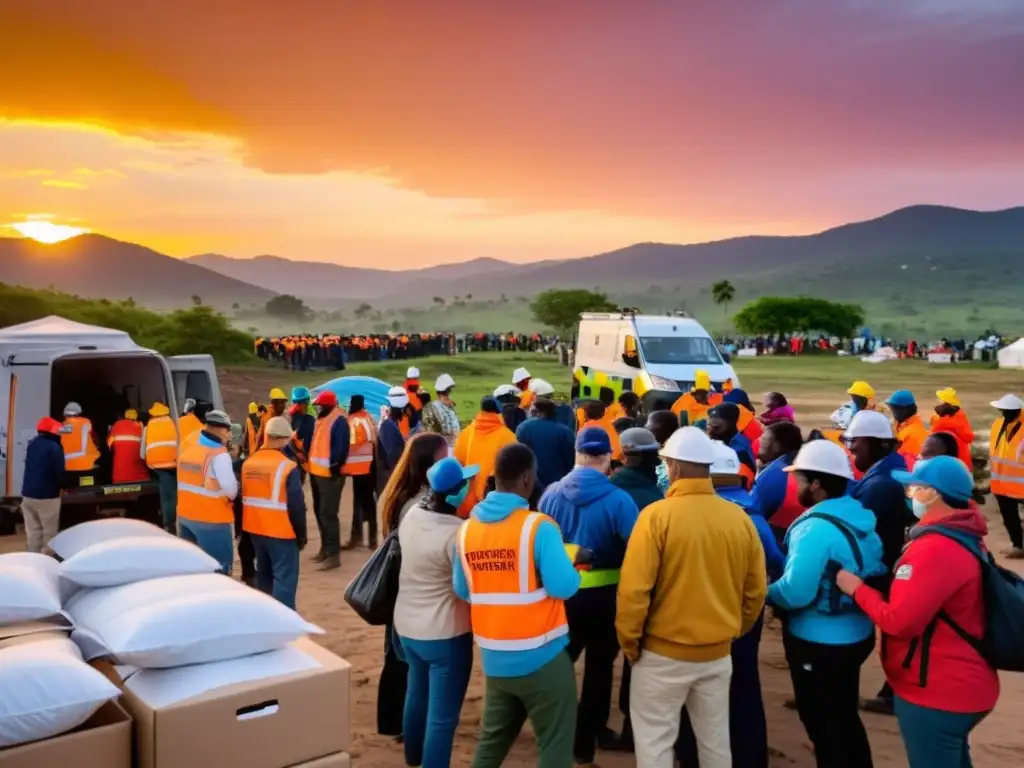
630, 356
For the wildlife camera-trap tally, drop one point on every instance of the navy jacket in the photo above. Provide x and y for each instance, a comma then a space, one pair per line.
553, 444
303, 424
44, 468
390, 445
887, 499
295, 496
642, 487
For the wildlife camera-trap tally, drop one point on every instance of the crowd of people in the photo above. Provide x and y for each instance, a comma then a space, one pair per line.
984, 348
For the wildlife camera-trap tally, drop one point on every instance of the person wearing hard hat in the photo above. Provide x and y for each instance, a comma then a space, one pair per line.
478, 445
943, 686
564, 413
439, 415
827, 638
390, 436
303, 421
125, 444
278, 407
685, 593
328, 453
274, 512
775, 491
861, 398
950, 417
692, 407
412, 388
911, 431
79, 441
253, 424
595, 515
552, 443
521, 379
160, 451
359, 466
508, 399
41, 484
207, 487
190, 424
723, 425
1005, 443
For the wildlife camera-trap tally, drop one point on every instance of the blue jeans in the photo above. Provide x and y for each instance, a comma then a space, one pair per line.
167, 482
277, 568
933, 738
439, 673
215, 539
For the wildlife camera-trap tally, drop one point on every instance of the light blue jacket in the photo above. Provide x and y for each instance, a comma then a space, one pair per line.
804, 588
560, 579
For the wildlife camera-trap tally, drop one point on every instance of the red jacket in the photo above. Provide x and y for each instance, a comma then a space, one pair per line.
936, 573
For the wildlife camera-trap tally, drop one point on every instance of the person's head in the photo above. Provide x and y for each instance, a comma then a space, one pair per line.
949, 402
409, 478
131, 414
594, 449
490, 405
544, 408
822, 472
630, 403
662, 424
861, 393
218, 425
356, 404
190, 403
594, 410
444, 386
722, 420
278, 432
688, 454
1009, 406
278, 401
623, 423
48, 426
449, 485
902, 405
701, 386
640, 449
325, 402
72, 410
939, 444
506, 394
870, 439
941, 480
412, 379
774, 400
780, 439
607, 397
515, 470
521, 379
301, 395
738, 397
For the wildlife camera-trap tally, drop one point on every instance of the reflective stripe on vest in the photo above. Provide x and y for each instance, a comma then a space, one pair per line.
264, 494
510, 609
80, 452
320, 447
161, 443
601, 577
362, 442
200, 497
1007, 463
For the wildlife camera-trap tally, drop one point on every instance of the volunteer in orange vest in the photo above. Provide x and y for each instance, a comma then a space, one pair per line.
513, 570
911, 431
79, 441
597, 416
328, 453
694, 405
521, 379
190, 424
478, 445
253, 424
359, 466
274, 512
1006, 442
125, 444
412, 388
207, 487
748, 424
278, 406
160, 452
950, 417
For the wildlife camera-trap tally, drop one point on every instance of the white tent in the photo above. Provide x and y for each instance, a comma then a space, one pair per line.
1013, 355
56, 331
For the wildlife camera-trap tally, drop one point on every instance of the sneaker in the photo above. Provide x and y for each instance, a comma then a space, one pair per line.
789, 703
1013, 553
351, 544
609, 741
879, 705
330, 563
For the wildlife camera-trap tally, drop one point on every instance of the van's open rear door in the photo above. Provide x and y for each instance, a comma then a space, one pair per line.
195, 376
28, 398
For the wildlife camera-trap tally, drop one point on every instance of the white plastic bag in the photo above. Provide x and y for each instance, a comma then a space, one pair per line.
29, 587
68, 543
135, 558
179, 620
46, 689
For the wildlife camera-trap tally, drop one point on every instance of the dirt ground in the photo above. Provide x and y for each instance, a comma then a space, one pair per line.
998, 742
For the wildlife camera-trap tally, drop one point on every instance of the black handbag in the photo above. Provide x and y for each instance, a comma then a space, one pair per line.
374, 590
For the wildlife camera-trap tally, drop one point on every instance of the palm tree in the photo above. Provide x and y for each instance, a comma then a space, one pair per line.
722, 293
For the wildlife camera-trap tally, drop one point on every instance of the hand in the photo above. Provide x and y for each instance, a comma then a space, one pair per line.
848, 583
301, 541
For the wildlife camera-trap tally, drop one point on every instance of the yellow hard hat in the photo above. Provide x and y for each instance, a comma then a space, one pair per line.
254, 407
861, 389
159, 409
278, 394
948, 396
131, 414
702, 380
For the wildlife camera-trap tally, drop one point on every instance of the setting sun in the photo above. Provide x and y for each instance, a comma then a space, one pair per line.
47, 231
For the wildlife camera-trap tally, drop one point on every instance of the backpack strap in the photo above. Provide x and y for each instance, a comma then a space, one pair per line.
844, 529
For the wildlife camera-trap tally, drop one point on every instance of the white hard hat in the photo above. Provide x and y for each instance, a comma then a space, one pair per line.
727, 461
398, 397
506, 390
412, 373
869, 424
520, 374
72, 409
822, 456
1008, 403
444, 383
541, 388
218, 419
690, 444
279, 426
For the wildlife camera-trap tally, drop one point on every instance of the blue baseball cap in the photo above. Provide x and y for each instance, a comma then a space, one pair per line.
448, 473
946, 474
902, 398
593, 441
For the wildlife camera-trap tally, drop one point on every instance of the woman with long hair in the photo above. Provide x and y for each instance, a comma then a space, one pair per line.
405, 486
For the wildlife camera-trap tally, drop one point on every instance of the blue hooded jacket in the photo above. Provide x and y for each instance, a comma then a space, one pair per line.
592, 513
774, 560
553, 444
805, 587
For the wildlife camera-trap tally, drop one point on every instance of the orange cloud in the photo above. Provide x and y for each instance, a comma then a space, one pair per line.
62, 184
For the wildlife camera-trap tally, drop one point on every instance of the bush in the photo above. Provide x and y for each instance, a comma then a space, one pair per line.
194, 331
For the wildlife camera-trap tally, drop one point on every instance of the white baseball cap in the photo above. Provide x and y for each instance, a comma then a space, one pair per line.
520, 374
822, 456
506, 390
869, 424
279, 426
727, 461
412, 373
541, 388
1008, 403
690, 444
444, 383
398, 397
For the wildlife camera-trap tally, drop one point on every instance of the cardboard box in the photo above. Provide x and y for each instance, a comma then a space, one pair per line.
104, 741
278, 721
337, 760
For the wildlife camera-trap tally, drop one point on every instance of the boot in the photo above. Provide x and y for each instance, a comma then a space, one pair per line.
319, 557
330, 563
372, 543
879, 705
352, 543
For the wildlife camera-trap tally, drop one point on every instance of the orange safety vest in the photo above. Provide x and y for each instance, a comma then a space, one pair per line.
251, 434
687, 403
320, 447
527, 399
189, 425
363, 440
1006, 459
162, 443
200, 497
125, 442
80, 451
509, 607
264, 494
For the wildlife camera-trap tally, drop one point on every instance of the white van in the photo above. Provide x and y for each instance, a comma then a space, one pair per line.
656, 356
44, 364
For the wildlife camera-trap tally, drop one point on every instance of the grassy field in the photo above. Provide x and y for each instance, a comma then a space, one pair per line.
815, 385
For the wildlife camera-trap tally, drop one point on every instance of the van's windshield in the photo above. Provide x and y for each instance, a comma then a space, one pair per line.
680, 350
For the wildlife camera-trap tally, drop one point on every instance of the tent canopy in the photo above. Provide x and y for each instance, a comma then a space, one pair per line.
1013, 355
54, 330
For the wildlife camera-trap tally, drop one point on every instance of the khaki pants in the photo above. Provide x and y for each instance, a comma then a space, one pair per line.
42, 521
659, 689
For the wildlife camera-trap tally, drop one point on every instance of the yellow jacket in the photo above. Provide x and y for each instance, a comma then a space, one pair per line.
693, 579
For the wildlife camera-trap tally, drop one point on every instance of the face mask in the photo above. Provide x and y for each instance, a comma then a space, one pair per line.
920, 508
459, 497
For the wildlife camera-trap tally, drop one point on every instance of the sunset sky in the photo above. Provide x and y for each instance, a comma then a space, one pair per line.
397, 133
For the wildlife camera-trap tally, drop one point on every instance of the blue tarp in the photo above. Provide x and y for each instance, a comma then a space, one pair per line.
374, 391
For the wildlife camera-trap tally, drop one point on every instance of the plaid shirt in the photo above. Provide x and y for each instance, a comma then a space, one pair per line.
441, 419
